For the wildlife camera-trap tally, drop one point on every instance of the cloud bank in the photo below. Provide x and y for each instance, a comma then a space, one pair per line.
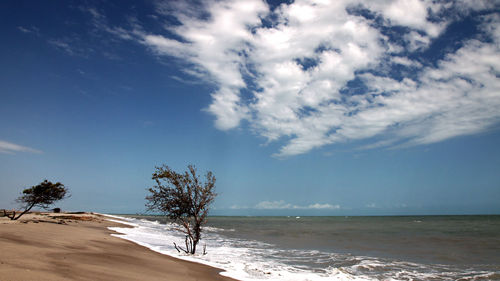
282, 205
315, 73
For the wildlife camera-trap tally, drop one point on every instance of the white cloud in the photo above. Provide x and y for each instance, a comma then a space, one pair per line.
459, 97
407, 12
414, 14
32, 29
62, 45
273, 205
276, 205
165, 46
296, 69
416, 41
23, 29
11, 148
323, 206
405, 61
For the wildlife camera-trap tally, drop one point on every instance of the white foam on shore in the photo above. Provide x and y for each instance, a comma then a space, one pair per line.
245, 262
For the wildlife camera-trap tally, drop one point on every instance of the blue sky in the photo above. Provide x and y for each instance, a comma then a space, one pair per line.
299, 108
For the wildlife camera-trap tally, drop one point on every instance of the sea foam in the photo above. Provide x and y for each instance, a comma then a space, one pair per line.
242, 260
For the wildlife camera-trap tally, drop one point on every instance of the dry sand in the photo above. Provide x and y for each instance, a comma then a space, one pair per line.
79, 247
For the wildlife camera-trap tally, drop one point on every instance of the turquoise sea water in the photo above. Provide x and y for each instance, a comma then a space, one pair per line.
339, 248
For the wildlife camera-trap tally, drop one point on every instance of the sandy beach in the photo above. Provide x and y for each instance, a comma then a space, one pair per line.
50, 246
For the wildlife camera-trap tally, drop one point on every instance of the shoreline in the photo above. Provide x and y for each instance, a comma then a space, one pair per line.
65, 246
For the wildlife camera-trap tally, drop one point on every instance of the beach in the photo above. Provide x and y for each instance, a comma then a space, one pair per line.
84, 246
48, 246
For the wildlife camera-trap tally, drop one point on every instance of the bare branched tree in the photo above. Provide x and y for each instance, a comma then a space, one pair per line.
42, 195
185, 199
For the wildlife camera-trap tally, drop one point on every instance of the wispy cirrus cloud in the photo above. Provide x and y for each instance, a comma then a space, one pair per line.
297, 63
78, 44
11, 148
68, 45
29, 30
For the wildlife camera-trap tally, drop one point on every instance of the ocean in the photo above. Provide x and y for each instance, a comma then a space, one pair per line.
336, 248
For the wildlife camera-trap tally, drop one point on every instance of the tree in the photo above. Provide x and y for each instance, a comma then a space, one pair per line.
183, 198
42, 195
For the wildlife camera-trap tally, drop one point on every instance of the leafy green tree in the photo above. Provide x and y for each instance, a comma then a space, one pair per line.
183, 198
42, 195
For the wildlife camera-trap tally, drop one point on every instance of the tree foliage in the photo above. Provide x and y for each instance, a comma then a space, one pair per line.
185, 199
42, 195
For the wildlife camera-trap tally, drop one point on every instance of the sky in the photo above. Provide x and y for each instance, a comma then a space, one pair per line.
298, 107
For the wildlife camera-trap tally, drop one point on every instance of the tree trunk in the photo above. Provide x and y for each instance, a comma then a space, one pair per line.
197, 234
24, 212
193, 249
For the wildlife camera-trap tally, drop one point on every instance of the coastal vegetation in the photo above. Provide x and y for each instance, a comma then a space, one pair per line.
185, 199
42, 195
